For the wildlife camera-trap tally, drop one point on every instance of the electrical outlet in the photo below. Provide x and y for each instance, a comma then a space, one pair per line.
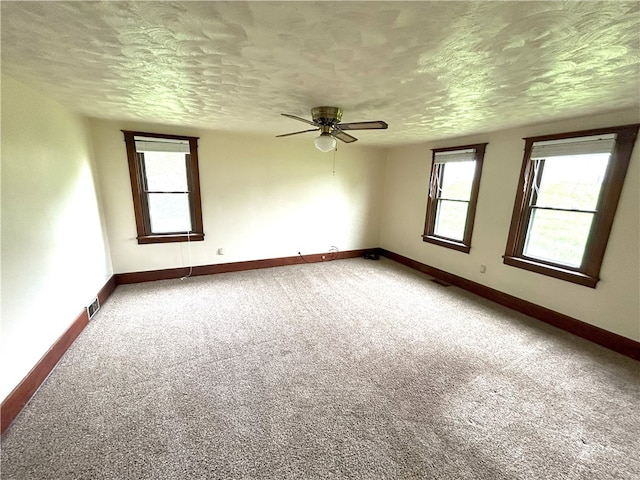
483, 269
93, 308
220, 251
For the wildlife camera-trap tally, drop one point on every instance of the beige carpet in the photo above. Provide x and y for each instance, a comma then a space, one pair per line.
344, 369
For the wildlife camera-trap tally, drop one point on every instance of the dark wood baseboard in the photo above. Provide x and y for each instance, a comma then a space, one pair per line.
172, 273
106, 291
18, 398
610, 340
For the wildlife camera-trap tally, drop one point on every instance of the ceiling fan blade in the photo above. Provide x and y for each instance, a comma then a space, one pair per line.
345, 137
296, 133
298, 118
377, 125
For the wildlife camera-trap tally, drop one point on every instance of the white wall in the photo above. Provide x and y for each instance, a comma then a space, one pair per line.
262, 197
614, 305
55, 256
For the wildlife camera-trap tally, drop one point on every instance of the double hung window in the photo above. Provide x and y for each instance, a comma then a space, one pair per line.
567, 197
453, 194
165, 187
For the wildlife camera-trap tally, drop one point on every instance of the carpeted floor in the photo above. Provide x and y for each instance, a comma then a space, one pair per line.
344, 369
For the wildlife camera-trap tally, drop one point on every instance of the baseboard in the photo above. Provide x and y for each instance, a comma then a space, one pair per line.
172, 273
18, 398
605, 338
108, 288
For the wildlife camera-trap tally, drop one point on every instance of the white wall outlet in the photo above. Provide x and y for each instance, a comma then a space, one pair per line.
220, 251
483, 269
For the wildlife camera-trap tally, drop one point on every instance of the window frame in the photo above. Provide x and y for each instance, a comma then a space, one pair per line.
429, 234
140, 206
611, 189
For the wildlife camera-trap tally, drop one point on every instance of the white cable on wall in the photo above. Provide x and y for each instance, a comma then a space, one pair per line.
190, 260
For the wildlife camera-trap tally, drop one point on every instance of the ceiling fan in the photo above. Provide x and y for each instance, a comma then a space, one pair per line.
327, 121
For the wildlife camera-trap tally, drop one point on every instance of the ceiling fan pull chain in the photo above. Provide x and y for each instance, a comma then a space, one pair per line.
334, 160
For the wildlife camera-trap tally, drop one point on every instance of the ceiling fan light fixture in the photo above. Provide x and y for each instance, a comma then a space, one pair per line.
327, 120
325, 142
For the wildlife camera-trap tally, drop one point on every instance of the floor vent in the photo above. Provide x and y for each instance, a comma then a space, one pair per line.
93, 308
440, 282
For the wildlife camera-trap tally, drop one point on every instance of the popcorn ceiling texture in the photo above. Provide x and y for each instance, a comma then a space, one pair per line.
430, 69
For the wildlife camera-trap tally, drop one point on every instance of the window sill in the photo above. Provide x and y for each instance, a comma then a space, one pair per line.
552, 271
459, 246
170, 238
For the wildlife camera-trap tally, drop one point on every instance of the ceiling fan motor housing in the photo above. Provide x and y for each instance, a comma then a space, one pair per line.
326, 115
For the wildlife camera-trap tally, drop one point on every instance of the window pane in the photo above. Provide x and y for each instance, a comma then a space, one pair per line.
166, 171
169, 212
451, 218
559, 237
457, 180
572, 182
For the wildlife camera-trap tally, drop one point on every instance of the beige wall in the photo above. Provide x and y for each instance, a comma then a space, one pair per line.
54, 251
262, 197
613, 305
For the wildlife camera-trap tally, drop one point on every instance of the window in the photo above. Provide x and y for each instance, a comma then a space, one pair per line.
453, 194
567, 197
165, 186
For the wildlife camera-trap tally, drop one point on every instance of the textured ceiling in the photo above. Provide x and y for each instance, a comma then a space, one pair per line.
430, 69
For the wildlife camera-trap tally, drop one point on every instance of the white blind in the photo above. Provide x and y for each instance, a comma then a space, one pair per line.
573, 146
149, 144
468, 155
